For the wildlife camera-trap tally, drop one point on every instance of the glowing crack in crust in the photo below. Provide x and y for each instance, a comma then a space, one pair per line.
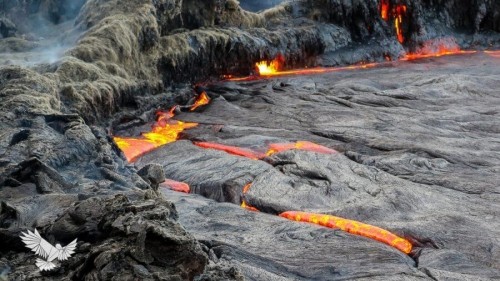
244, 204
353, 227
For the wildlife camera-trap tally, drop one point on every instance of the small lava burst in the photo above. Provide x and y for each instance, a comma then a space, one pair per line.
165, 130
273, 148
269, 68
353, 227
176, 186
203, 99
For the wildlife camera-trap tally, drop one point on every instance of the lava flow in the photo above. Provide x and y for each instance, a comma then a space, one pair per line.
495, 54
165, 130
273, 148
203, 99
430, 50
397, 13
353, 227
230, 149
176, 186
423, 53
303, 71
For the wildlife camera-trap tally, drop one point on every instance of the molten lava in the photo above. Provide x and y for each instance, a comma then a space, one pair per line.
495, 54
203, 99
353, 227
176, 186
300, 145
384, 9
305, 71
165, 130
397, 13
230, 149
432, 49
269, 68
273, 149
244, 204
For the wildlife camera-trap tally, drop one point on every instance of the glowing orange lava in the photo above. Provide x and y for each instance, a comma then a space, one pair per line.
384, 9
164, 131
203, 99
430, 50
230, 149
273, 148
269, 68
353, 227
495, 54
244, 204
399, 12
306, 71
300, 145
176, 186
246, 188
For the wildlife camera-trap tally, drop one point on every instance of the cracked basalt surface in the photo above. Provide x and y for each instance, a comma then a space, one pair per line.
418, 142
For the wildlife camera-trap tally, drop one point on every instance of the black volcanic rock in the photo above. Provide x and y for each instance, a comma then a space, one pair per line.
73, 68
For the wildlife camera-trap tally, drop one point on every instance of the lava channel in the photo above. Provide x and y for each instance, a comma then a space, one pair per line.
353, 227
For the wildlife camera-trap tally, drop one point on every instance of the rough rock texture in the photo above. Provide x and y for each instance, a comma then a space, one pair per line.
73, 68
157, 247
417, 146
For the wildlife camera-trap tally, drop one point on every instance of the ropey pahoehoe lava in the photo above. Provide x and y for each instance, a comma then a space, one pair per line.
251, 140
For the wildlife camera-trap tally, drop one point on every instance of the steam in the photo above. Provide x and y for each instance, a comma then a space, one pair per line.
44, 31
258, 5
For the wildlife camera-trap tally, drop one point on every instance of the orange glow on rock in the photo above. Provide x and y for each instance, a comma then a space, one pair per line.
300, 145
230, 149
250, 208
305, 71
163, 131
430, 50
203, 99
246, 188
495, 54
244, 204
353, 227
397, 14
176, 186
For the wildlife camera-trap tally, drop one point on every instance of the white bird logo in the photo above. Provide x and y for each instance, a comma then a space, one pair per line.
44, 249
